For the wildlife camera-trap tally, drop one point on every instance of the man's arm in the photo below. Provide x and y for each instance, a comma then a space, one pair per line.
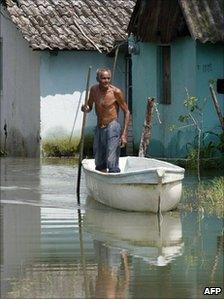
122, 103
89, 106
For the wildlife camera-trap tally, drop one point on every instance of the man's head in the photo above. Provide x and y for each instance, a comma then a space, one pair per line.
103, 76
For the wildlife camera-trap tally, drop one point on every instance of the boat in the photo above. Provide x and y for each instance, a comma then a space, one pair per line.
155, 238
143, 185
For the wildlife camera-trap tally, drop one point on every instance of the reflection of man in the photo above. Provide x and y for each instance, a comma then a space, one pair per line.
108, 137
113, 272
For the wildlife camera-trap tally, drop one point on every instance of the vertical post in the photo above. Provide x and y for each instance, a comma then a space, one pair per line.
217, 107
82, 253
146, 132
82, 138
115, 63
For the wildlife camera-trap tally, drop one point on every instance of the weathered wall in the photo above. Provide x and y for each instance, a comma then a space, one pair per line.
20, 97
183, 77
210, 67
188, 71
63, 83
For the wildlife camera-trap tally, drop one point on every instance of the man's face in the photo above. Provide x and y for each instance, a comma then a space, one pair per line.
104, 79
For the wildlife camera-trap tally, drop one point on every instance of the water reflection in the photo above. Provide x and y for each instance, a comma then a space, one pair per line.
20, 240
157, 239
113, 272
47, 253
121, 239
41, 255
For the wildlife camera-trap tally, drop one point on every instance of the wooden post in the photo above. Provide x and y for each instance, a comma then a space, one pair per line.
146, 132
115, 63
82, 253
82, 138
217, 107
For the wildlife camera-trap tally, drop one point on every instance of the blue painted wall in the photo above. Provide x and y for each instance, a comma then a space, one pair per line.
186, 55
63, 83
144, 85
210, 66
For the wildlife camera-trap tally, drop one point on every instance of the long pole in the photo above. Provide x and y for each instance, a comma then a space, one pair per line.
82, 254
217, 107
82, 138
115, 63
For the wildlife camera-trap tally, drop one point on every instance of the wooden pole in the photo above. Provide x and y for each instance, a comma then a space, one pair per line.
82, 138
115, 63
76, 115
217, 107
82, 253
146, 132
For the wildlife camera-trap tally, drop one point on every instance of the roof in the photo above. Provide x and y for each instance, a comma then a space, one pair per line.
163, 21
205, 19
72, 24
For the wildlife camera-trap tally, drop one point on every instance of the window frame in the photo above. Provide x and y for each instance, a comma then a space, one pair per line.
164, 74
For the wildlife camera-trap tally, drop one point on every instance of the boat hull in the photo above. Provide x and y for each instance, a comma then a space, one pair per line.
134, 192
136, 197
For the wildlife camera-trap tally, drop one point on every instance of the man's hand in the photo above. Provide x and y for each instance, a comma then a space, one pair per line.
123, 140
85, 108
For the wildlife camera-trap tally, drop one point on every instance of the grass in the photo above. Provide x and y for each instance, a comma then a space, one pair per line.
208, 198
62, 147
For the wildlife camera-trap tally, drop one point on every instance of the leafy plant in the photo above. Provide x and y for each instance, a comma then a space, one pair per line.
208, 148
3, 153
191, 102
208, 197
205, 144
60, 147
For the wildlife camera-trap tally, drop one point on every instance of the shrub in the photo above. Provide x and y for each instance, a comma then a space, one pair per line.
60, 147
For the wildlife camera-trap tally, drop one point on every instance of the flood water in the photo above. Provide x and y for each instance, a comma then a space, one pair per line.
53, 248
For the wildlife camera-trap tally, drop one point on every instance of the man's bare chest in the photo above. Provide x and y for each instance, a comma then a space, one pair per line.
105, 100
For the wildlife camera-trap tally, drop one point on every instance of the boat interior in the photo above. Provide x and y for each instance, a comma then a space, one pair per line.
130, 164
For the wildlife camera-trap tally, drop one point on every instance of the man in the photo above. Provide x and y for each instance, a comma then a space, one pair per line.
108, 136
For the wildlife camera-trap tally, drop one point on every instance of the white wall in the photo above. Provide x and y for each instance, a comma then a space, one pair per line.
20, 97
63, 83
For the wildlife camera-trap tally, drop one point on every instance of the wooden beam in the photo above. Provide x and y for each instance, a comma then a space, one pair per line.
146, 132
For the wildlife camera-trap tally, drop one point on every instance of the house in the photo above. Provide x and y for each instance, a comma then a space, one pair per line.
19, 91
70, 36
177, 48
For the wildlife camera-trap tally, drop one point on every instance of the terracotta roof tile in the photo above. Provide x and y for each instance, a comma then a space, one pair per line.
72, 24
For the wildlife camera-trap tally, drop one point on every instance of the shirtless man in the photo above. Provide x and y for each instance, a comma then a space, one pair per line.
108, 136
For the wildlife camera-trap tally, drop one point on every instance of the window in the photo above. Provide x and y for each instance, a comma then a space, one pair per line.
164, 76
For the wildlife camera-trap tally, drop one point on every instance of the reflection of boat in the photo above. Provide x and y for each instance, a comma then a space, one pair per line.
155, 238
142, 185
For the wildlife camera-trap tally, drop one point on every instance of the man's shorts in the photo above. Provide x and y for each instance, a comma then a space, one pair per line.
106, 147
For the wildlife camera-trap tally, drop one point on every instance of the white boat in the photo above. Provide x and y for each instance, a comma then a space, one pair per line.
144, 184
157, 239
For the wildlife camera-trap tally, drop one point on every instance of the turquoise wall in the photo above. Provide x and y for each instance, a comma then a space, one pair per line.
186, 55
183, 75
210, 66
144, 85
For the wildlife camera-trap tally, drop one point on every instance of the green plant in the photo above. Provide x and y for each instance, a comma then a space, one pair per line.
205, 145
208, 197
208, 148
63, 147
3, 153
60, 147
